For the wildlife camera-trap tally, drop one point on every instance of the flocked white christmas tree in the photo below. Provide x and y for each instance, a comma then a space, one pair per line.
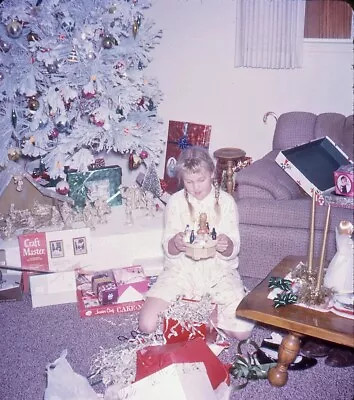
73, 84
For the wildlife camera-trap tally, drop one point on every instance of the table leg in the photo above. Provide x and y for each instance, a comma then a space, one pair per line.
288, 351
219, 170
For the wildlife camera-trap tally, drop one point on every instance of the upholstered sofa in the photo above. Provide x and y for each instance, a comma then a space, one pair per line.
274, 211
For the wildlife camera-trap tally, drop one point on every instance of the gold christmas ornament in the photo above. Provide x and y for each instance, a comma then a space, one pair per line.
14, 153
107, 42
4, 46
32, 37
33, 104
135, 29
14, 29
112, 9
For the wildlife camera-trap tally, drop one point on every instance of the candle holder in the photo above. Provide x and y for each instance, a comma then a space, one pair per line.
309, 282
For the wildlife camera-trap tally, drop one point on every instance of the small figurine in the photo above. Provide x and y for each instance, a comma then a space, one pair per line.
18, 181
128, 211
102, 209
150, 206
203, 227
213, 234
55, 217
191, 237
89, 216
339, 275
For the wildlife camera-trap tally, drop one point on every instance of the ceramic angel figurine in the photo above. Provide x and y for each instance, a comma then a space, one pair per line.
150, 204
339, 275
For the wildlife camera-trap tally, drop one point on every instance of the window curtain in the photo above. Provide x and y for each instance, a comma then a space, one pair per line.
269, 33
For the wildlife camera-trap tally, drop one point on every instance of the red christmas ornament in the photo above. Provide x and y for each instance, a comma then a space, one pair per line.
95, 121
134, 161
163, 185
88, 95
62, 187
144, 154
45, 176
54, 134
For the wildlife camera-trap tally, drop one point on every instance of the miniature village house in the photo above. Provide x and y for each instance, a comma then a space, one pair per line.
19, 190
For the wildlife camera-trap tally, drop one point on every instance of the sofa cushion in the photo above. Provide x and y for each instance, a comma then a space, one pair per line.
288, 213
292, 129
339, 128
295, 128
265, 179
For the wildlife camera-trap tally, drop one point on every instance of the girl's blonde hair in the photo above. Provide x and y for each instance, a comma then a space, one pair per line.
193, 159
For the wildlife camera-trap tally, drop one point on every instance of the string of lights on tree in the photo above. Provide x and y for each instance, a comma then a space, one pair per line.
73, 82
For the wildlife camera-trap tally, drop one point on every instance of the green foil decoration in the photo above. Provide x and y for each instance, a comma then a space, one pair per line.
100, 182
281, 283
285, 298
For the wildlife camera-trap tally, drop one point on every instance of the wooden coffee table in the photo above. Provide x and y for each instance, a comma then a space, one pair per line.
299, 321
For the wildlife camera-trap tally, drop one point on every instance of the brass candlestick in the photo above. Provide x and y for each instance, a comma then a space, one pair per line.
312, 233
311, 290
321, 266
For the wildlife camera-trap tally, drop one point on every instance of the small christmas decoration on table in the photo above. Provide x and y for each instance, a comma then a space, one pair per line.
307, 287
339, 274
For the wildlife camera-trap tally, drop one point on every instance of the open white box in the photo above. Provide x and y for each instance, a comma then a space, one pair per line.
312, 165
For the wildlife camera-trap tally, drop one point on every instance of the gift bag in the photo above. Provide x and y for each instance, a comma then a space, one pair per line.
153, 358
65, 384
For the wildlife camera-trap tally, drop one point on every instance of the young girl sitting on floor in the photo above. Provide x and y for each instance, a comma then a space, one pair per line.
183, 276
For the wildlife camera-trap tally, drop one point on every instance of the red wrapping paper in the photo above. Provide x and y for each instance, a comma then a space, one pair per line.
153, 358
195, 134
175, 331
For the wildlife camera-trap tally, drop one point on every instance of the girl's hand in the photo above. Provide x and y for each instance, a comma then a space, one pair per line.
224, 245
177, 244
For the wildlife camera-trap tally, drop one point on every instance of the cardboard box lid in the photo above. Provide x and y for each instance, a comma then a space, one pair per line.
316, 161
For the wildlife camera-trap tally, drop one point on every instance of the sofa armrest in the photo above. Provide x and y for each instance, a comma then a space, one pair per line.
265, 179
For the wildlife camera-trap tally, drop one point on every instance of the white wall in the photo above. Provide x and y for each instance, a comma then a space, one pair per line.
194, 65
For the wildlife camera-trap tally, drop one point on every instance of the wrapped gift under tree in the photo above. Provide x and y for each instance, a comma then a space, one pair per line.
96, 183
180, 136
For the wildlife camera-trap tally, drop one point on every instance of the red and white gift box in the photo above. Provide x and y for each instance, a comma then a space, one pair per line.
181, 135
311, 165
182, 381
131, 282
154, 358
130, 294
